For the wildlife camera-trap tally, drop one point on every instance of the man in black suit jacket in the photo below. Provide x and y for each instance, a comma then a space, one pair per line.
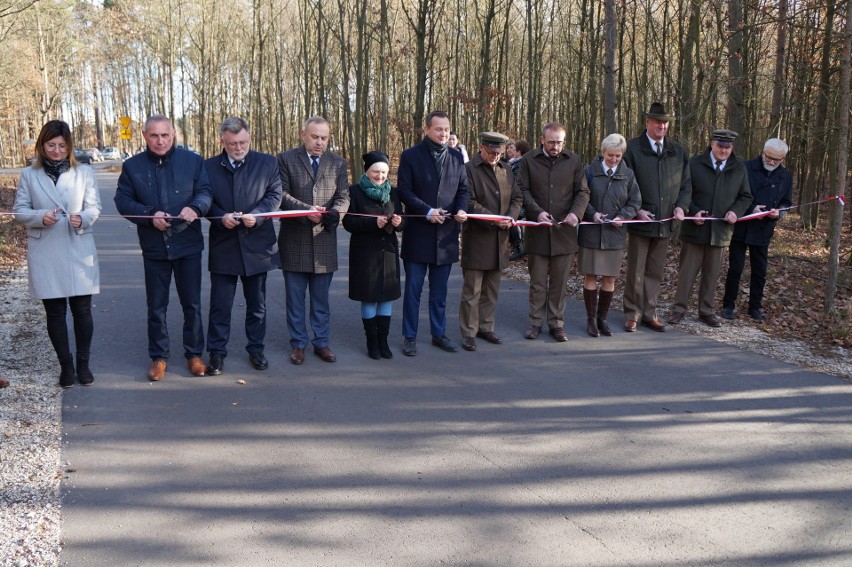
242, 245
432, 182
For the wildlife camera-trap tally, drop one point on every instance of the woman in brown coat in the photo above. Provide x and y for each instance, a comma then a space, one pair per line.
374, 250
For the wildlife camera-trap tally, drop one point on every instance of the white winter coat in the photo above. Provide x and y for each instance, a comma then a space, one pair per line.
62, 260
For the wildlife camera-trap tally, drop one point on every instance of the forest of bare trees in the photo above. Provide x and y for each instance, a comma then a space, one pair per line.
375, 67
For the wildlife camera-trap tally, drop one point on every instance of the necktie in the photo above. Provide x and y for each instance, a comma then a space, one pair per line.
609, 172
238, 163
718, 166
315, 164
659, 149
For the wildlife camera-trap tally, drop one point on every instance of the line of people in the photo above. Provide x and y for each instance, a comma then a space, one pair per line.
165, 191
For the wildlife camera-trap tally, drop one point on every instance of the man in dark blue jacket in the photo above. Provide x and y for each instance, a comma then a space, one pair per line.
163, 191
242, 245
772, 187
432, 183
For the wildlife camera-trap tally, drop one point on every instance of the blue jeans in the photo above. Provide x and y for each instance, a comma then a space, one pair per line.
415, 275
296, 284
371, 309
158, 281
222, 290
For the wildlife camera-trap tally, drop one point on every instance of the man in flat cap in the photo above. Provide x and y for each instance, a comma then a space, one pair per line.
485, 244
720, 191
662, 172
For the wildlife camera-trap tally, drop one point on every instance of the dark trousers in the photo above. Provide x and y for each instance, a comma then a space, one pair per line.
57, 329
415, 276
296, 285
759, 259
158, 281
222, 290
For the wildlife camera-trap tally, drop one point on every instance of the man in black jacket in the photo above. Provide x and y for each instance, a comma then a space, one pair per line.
243, 246
163, 191
772, 187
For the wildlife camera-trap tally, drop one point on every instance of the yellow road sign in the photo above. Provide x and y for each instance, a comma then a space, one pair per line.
125, 134
125, 121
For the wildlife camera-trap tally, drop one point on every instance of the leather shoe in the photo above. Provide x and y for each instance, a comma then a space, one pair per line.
158, 370
469, 344
445, 344
297, 356
4, 383
756, 314
532, 332
630, 326
654, 325
710, 320
490, 337
409, 347
217, 364
728, 313
559, 334
258, 361
196, 366
676, 317
325, 354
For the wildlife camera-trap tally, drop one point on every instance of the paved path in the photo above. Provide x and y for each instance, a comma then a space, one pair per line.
641, 449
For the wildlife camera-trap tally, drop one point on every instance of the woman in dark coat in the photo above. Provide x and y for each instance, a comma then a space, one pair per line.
613, 196
374, 250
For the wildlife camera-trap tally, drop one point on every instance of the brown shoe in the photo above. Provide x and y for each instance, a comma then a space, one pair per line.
325, 354
676, 317
297, 356
196, 366
469, 343
4, 383
654, 325
629, 326
490, 337
533, 332
558, 333
158, 370
710, 320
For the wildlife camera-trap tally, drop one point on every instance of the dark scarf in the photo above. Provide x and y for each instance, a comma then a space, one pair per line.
54, 169
378, 193
439, 154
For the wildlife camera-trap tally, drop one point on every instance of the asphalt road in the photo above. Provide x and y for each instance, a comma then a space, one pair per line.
640, 449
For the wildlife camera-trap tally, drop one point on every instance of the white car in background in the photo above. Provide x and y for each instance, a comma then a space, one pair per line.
111, 152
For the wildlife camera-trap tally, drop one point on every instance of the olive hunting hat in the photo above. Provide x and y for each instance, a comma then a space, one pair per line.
493, 139
724, 138
658, 112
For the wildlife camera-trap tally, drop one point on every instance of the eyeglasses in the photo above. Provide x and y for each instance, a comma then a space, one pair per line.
494, 150
773, 159
554, 143
236, 145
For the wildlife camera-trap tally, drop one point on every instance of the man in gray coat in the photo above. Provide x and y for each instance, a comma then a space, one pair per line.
662, 172
720, 191
313, 179
485, 244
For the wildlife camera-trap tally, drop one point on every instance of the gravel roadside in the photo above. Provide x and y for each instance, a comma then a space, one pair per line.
31, 413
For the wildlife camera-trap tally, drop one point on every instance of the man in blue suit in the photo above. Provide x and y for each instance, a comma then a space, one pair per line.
432, 182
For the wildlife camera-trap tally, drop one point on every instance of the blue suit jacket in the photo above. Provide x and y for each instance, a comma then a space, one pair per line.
420, 189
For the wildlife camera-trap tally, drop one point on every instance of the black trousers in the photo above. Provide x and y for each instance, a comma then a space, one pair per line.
222, 290
81, 310
759, 257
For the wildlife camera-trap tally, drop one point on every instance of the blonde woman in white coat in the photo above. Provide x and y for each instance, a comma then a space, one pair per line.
58, 202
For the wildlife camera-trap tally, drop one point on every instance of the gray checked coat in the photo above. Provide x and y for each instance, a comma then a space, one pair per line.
306, 246
62, 260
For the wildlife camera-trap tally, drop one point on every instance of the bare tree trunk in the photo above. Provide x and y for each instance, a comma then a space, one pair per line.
610, 31
736, 78
842, 164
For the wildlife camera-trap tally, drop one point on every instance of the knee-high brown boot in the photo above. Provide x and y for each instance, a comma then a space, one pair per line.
603, 309
591, 298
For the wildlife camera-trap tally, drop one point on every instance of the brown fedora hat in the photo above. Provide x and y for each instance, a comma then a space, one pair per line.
658, 112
